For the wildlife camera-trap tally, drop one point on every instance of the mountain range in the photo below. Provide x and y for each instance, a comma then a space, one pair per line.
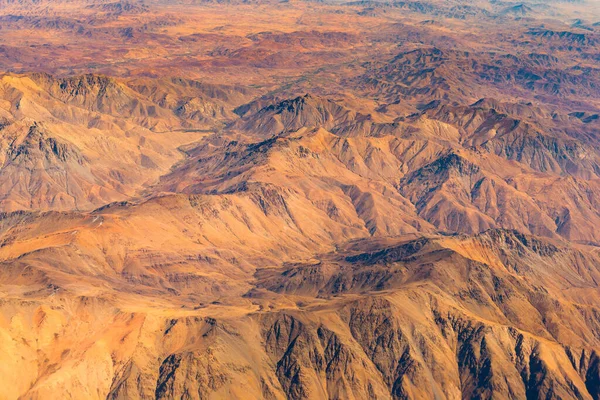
299, 200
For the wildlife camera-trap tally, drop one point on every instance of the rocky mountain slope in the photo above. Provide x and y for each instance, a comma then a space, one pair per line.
85, 141
496, 314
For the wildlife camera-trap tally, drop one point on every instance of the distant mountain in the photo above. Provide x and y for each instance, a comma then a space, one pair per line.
519, 10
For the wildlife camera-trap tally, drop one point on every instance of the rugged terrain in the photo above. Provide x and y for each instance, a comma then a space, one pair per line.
299, 200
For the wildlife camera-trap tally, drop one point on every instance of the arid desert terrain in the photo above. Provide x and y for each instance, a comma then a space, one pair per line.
298, 199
